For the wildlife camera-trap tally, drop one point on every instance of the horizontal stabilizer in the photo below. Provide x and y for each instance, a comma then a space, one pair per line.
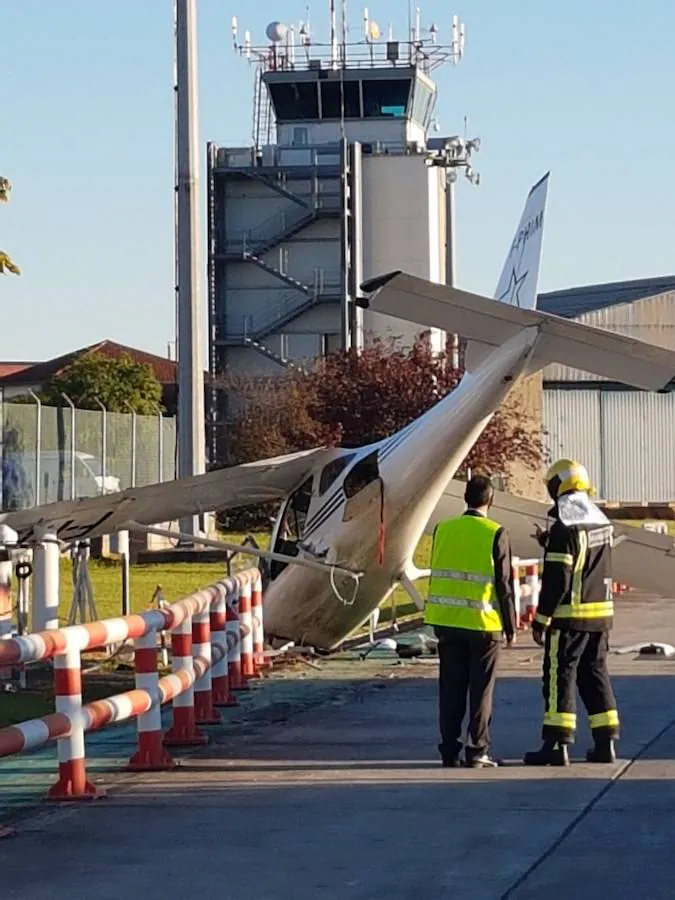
491, 324
640, 559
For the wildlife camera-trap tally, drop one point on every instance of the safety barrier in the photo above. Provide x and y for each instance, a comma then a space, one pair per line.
210, 641
526, 586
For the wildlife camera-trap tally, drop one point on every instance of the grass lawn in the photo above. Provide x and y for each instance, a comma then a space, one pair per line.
176, 580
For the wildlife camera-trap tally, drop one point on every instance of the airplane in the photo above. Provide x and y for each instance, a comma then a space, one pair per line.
351, 518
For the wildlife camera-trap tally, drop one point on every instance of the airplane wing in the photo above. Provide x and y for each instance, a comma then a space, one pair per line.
641, 559
257, 482
491, 323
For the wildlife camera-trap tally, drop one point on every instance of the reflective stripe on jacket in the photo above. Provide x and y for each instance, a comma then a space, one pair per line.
462, 587
576, 591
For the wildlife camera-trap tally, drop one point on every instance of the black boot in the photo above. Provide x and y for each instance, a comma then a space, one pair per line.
550, 754
602, 752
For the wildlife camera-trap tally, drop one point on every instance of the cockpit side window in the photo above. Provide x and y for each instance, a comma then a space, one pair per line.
332, 470
295, 514
364, 473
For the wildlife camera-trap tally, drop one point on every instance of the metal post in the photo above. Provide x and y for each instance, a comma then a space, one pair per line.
72, 444
104, 444
450, 251
133, 443
123, 550
191, 432
46, 560
38, 444
160, 445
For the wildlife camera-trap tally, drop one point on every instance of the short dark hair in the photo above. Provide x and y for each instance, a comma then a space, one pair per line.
479, 492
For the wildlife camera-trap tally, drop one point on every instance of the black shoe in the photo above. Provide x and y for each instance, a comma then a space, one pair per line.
482, 761
452, 762
548, 755
602, 752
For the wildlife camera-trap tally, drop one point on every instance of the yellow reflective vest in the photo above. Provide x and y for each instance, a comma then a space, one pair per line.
462, 587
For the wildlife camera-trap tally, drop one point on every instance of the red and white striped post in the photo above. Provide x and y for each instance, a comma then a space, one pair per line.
72, 783
234, 639
515, 568
220, 681
532, 581
183, 731
246, 625
150, 755
205, 712
258, 623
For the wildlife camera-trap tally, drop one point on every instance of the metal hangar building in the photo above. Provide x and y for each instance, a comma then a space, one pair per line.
625, 437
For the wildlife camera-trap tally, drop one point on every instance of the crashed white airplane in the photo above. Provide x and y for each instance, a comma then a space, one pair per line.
351, 518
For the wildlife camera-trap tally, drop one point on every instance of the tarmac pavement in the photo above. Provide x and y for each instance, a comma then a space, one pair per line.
346, 799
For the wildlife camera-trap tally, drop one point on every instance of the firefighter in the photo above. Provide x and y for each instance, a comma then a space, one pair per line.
470, 605
573, 619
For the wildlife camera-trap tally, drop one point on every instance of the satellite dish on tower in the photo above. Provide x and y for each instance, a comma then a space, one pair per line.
276, 32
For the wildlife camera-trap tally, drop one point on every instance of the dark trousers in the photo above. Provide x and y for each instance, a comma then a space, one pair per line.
468, 665
577, 659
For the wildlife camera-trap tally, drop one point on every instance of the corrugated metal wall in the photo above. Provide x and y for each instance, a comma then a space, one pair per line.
625, 438
651, 320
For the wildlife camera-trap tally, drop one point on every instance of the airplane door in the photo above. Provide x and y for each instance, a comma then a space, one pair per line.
290, 525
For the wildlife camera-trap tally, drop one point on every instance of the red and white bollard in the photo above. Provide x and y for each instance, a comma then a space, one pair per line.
72, 783
246, 626
183, 731
234, 639
205, 711
258, 624
515, 570
532, 581
150, 755
220, 681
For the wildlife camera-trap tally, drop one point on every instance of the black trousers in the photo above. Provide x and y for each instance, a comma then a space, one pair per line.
468, 666
577, 659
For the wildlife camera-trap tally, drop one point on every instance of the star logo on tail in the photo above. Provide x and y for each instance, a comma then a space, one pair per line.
512, 293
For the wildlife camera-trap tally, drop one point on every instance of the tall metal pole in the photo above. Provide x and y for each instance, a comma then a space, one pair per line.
450, 252
191, 426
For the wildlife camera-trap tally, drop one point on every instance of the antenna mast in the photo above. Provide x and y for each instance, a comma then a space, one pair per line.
333, 35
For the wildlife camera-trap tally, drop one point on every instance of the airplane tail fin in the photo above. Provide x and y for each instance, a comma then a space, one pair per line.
489, 324
519, 280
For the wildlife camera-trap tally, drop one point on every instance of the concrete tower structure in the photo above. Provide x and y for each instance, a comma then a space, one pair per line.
336, 187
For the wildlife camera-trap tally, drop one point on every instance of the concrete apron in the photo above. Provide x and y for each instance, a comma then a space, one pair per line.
346, 800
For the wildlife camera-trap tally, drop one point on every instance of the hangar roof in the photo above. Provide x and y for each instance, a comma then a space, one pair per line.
573, 302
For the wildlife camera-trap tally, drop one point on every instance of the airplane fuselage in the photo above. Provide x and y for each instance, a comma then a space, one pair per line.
414, 465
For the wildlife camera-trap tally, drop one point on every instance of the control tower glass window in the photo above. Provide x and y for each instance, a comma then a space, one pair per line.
386, 98
295, 101
334, 96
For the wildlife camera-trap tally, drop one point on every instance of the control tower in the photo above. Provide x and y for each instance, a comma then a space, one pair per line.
341, 182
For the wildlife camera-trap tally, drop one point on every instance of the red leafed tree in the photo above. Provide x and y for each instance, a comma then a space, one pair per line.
356, 398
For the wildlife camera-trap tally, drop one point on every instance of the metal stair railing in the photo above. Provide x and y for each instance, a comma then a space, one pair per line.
273, 230
326, 285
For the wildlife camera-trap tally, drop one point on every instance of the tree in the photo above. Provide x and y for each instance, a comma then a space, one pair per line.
356, 398
119, 383
6, 264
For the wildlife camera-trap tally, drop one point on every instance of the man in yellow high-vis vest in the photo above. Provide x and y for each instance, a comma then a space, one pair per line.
471, 606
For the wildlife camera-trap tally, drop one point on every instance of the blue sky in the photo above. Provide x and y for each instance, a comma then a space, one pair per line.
583, 89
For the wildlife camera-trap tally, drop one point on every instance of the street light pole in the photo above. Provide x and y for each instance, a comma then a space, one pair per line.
191, 424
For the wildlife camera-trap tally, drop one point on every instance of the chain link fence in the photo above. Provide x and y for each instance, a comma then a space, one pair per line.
60, 453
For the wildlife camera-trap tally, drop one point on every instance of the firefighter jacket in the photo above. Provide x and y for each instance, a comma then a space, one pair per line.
576, 587
471, 584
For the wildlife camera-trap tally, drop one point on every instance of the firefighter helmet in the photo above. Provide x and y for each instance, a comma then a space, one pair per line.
565, 476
